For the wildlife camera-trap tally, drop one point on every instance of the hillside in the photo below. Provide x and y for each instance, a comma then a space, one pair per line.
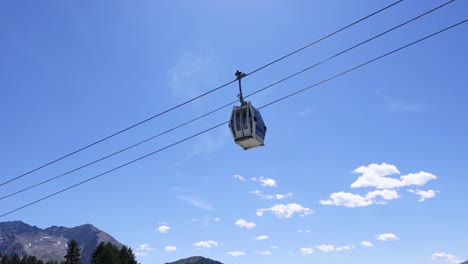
195, 260
50, 244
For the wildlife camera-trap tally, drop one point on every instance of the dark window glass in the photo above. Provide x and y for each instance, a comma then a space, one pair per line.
245, 125
238, 126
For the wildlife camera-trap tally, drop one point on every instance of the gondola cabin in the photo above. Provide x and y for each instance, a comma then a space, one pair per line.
247, 126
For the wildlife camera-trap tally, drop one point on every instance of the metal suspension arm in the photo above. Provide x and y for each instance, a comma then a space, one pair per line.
239, 76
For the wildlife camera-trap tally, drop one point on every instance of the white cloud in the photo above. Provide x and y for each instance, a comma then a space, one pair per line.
286, 210
206, 244
344, 248
446, 257
355, 200
325, 248
387, 237
330, 248
143, 249
266, 182
271, 196
241, 178
261, 237
197, 203
306, 251
163, 229
244, 224
303, 231
265, 253
236, 253
216, 219
423, 195
170, 248
367, 244
376, 175
346, 199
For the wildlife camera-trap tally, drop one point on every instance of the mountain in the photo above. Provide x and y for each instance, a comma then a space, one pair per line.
50, 244
196, 260
466, 262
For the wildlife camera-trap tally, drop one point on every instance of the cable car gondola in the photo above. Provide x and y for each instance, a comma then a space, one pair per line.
246, 124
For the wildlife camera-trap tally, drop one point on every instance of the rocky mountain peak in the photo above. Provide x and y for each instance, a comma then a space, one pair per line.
50, 244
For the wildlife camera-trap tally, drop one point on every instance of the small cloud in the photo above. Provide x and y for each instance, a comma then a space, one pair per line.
271, 196
266, 182
244, 224
306, 251
344, 248
355, 200
265, 253
325, 248
387, 237
376, 175
216, 219
441, 256
236, 253
240, 178
170, 248
197, 203
205, 244
330, 248
286, 210
261, 238
367, 244
423, 195
163, 229
143, 249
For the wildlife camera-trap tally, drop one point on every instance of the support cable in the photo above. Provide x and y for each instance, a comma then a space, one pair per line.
193, 99
239, 76
224, 123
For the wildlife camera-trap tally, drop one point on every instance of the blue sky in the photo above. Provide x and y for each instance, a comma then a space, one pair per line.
369, 167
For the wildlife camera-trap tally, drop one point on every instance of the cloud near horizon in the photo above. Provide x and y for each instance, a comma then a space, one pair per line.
306, 251
236, 253
446, 257
205, 244
329, 248
170, 248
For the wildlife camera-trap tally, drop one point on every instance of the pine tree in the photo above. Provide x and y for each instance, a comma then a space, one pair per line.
5, 260
109, 253
73, 255
105, 253
16, 259
126, 256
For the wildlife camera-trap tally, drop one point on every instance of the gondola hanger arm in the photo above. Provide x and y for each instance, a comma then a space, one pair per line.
239, 76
